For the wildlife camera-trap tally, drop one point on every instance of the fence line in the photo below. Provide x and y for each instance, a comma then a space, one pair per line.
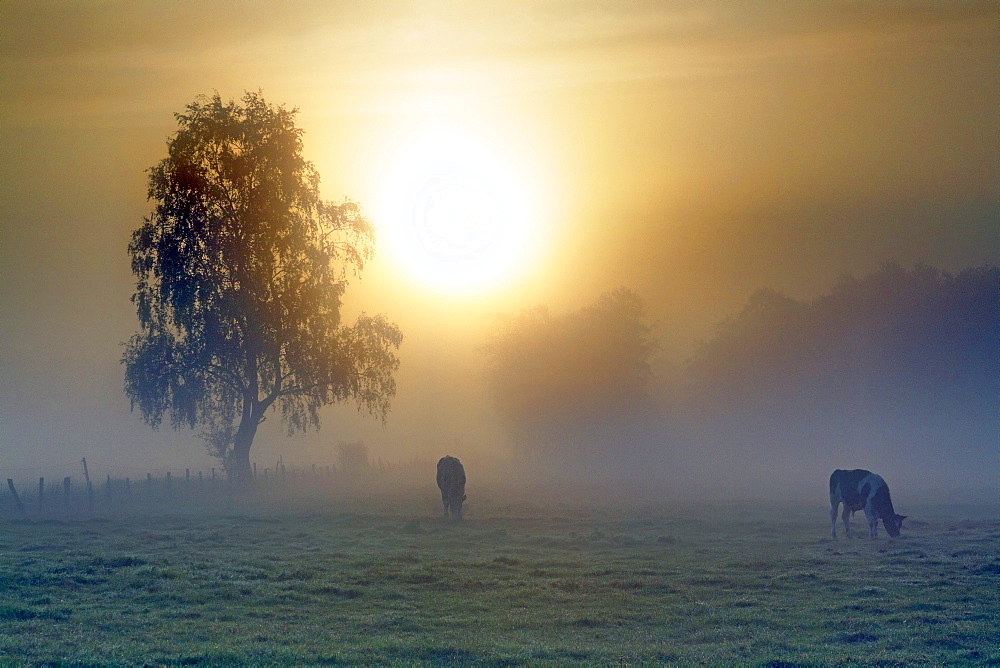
81, 494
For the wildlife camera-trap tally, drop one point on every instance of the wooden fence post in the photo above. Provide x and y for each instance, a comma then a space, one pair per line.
41, 493
17, 499
90, 488
66, 490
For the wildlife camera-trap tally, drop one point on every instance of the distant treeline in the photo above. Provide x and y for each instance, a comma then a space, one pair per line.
903, 362
546, 370
895, 342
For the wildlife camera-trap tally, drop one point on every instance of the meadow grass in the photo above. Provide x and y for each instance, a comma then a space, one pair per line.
385, 582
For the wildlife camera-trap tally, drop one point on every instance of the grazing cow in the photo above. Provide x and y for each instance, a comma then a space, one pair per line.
451, 481
862, 490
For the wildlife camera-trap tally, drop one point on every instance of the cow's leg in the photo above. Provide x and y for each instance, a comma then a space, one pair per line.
833, 516
444, 501
872, 521
846, 515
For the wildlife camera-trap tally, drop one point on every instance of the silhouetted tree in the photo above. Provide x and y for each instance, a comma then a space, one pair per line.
567, 373
891, 346
240, 272
353, 458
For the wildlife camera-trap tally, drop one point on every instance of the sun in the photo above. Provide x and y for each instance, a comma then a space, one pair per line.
454, 213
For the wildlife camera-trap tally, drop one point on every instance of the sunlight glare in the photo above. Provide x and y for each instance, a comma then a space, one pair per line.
454, 213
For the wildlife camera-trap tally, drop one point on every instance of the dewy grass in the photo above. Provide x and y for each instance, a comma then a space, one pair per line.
572, 585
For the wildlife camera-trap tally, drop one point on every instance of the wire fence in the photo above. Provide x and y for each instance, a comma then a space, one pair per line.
76, 489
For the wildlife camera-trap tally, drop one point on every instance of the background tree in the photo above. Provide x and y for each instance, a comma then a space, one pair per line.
572, 384
240, 272
901, 363
895, 342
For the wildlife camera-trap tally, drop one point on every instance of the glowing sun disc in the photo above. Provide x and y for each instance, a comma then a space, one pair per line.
454, 213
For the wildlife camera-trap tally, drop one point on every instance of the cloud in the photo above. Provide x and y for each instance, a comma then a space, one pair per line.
87, 61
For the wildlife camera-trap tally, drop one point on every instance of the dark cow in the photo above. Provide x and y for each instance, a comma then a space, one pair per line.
862, 490
451, 481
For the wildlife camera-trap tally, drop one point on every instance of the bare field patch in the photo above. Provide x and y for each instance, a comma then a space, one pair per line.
511, 585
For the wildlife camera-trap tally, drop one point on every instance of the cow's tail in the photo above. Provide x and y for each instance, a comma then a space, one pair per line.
833, 482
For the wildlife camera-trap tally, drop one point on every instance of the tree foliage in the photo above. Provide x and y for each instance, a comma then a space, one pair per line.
240, 270
894, 342
548, 371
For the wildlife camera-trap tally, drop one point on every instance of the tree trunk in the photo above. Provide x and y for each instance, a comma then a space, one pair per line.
241, 470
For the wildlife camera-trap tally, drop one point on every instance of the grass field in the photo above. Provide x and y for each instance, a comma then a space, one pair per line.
386, 582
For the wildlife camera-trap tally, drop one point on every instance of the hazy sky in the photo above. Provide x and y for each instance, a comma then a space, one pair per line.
691, 151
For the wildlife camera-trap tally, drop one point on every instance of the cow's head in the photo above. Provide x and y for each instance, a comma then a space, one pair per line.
456, 506
893, 523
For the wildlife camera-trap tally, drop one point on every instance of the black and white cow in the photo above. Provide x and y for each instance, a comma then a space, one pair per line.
451, 481
862, 490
